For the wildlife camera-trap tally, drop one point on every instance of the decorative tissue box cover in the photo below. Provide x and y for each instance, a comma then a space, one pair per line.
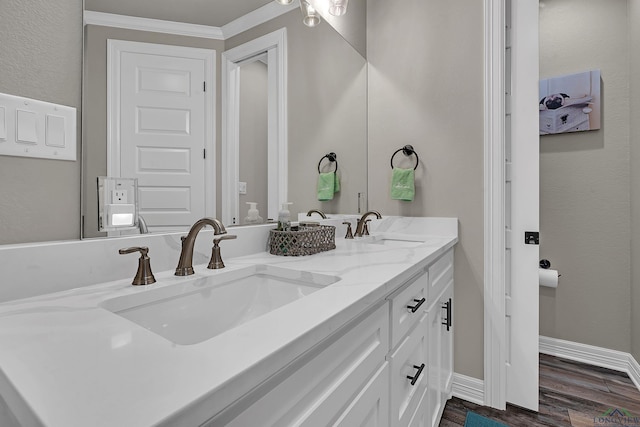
304, 241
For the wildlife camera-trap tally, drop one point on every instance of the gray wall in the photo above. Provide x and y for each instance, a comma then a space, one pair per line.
95, 111
585, 220
426, 89
41, 60
327, 110
634, 27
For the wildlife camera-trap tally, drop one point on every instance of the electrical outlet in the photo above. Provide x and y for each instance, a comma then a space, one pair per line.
119, 197
242, 187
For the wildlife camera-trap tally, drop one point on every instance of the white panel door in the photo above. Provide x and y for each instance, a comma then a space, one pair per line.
523, 201
163, 127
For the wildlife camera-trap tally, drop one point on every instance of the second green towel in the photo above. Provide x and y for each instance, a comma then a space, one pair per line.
402, 184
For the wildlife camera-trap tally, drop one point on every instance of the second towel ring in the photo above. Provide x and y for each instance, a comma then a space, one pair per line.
407, 150
333, 157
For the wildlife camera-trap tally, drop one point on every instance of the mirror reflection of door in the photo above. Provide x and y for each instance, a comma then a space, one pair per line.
159, 134
254, 97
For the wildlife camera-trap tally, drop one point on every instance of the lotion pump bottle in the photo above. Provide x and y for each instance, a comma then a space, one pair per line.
284, 217
253, 216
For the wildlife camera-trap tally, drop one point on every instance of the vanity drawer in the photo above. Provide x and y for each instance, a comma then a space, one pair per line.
410, 359
407, 307
440, 275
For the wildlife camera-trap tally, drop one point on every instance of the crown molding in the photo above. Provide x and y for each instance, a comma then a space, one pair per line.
259, 16
233, 28
152, 25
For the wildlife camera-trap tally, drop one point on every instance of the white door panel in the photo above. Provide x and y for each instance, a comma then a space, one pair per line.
161, 125
523, 193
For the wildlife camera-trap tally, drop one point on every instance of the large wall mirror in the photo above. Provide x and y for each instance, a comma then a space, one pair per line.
326, 98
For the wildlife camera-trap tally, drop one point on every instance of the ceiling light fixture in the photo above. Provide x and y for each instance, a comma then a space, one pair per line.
310, 15
284, 2
338, 7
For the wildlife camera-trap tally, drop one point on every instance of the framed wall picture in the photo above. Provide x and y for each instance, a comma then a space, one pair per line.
570, 103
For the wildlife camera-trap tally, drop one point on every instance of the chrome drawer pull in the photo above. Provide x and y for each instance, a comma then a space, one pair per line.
414, 378
417, 306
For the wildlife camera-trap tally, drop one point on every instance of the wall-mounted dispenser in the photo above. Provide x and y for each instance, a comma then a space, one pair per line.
117, 203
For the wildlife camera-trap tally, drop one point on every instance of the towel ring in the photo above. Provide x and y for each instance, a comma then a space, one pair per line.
407, 150
333, 157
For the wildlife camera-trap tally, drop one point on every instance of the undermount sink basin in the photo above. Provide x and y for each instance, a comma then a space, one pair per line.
394, 242
197, 310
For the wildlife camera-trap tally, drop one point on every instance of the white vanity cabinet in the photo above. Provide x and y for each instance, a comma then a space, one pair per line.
391, 367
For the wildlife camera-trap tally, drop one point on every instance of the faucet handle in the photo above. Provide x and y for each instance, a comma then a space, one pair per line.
365, 231
144, 276
216, 258
349, 234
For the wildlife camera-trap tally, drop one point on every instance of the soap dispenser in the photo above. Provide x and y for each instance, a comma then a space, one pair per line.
253, 216
284, 217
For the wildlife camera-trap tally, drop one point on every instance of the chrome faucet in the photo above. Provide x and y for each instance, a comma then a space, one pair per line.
362, 222
185, 265
318, 212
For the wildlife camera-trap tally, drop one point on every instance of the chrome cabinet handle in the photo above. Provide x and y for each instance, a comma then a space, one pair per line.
415, 308
414, 378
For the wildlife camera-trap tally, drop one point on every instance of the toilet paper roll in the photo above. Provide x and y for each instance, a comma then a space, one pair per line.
548, 277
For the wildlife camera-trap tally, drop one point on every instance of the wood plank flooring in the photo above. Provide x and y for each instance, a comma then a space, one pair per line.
571, 394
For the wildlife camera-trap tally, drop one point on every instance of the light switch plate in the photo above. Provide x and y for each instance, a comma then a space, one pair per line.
32, 128
242, 187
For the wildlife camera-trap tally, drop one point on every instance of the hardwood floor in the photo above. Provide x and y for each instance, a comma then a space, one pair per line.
571, 394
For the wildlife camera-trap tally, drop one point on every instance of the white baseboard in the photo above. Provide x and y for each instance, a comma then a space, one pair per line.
468, 388
592, 355
472, 389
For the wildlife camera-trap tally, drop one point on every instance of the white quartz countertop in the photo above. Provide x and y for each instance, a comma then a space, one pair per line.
65, 361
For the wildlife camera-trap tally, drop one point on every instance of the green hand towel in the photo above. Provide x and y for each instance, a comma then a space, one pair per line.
336, 181
326, 186
402, 184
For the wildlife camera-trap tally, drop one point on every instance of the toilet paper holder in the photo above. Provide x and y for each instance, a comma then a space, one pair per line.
546, 264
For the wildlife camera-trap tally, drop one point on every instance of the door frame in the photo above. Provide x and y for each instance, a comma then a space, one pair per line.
275, 44
495, 380
115, 49
524, 83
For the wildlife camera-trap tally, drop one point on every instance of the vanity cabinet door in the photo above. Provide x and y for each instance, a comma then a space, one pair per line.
346, 380
434, 394
440, 275
371, 407
446, 344
409, 374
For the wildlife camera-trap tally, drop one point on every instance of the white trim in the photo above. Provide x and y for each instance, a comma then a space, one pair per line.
468, 388
592, 355
115, 48
276, 44
233, 28
494, 207
259, 16
152, 25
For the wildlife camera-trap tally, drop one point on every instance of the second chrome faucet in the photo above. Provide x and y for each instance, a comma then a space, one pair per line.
185, 264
